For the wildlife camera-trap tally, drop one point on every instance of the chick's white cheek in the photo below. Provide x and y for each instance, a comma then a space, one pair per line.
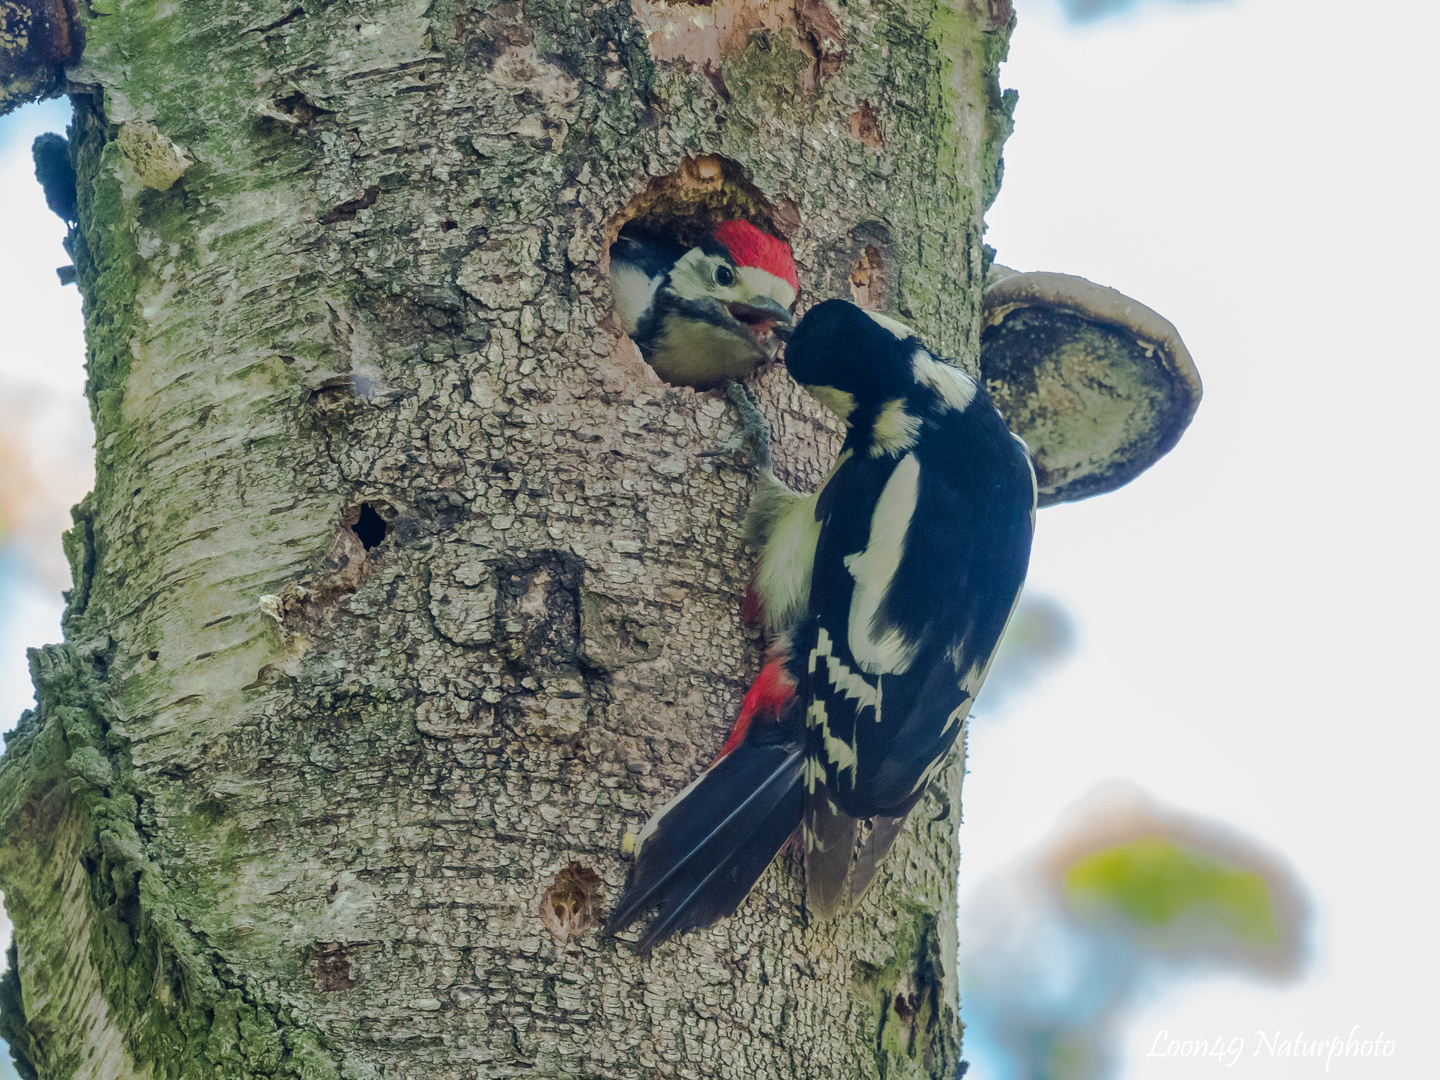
757, 282
694, 276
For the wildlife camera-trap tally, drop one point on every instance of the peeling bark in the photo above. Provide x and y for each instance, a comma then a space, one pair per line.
404, 593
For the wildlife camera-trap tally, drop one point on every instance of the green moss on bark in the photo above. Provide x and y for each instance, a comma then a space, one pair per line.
916, 1033
67, 777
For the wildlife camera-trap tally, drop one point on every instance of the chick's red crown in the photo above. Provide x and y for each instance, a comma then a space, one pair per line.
748, 246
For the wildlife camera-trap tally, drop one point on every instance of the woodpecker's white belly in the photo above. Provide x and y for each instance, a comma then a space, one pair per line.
788, 558
785, 567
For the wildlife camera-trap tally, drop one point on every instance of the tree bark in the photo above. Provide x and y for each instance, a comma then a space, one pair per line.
403, 592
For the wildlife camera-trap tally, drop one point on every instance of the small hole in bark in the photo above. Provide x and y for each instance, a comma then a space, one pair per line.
333, 968
865, 125
346, 211
446, 226
153, 654
573, 902
370, 527
867, 279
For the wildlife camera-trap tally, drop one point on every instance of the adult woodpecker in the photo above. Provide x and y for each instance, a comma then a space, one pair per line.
705, 314
889, 589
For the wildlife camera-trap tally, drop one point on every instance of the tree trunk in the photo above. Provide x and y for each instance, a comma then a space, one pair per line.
404, 592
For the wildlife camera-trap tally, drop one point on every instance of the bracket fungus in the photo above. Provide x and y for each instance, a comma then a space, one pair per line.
1098, 385
38, 40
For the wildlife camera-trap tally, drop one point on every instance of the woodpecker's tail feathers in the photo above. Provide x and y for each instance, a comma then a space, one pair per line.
829, 855
702, 852
837, 876
884, 831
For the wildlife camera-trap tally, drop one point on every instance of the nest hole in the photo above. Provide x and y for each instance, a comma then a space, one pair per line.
700, 194
686, 206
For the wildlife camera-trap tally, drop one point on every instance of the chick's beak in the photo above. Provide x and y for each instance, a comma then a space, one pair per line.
761, 314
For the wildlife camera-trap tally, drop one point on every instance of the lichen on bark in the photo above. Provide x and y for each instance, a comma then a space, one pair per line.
307, 795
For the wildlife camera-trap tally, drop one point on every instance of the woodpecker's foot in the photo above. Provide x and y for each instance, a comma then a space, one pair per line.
754, 428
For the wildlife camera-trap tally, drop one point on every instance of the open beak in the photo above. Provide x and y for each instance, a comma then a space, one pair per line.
762, 315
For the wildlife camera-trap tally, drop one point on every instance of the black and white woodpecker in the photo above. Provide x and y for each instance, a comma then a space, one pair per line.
888, 590
706, 316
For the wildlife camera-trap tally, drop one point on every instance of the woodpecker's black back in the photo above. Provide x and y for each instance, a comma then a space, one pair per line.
923, 647
921, 539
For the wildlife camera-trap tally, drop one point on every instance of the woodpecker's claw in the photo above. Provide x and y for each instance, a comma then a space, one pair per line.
753, 427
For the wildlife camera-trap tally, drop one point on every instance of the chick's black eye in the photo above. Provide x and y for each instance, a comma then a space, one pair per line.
724, 276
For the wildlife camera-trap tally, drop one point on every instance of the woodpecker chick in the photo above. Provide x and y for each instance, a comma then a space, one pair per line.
706, 314
889, 588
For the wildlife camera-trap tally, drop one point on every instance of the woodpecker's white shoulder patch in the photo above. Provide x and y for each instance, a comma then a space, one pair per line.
889, 651
955, 387
894, 430
895, 326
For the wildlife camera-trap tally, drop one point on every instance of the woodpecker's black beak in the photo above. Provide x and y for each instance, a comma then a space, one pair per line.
761, 314
784, 333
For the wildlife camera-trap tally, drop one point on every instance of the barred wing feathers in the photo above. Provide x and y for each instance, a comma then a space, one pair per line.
906, 609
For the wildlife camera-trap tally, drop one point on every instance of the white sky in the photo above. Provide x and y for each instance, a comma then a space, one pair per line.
42, 383
1256, 613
